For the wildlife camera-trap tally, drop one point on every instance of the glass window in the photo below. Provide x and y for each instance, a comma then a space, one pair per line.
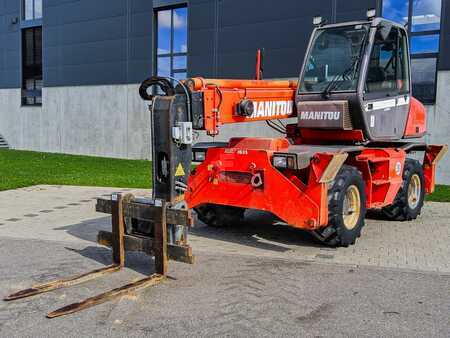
426, 15
179, 62
396, 10
425, 44
164, 32
424, 22
388, 68
180, 76
172, 42
28, 10
423, 72
37, 9
164, 66
32, 66
180, 30
32, 9
333, 62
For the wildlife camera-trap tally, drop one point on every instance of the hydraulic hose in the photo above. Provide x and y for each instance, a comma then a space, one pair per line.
163, 83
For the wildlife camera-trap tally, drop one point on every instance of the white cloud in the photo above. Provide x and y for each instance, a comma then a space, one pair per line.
164, 20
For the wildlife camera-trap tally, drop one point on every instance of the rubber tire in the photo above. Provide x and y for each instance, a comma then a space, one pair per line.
219, 216
399, 210
336, 234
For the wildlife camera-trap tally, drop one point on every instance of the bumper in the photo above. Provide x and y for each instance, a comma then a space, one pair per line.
247, 179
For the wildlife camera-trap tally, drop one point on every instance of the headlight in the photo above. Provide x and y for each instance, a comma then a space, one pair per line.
198, 156
285, 161
280, 161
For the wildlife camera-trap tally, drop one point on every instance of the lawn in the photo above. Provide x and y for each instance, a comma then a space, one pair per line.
442, 194
24, 168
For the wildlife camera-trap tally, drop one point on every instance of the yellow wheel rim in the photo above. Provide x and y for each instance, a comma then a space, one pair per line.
352, 207
414, 191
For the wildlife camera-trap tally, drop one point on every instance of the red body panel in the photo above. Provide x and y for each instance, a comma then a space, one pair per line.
299, 199
382, 171
242, 174
213, 182
416, 124
315, 135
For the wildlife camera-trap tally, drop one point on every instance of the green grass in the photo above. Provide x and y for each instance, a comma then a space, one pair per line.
20, 169
25, 168
441, 194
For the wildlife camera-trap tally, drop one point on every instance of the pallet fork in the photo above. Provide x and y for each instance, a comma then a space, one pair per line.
122, 207
165, 216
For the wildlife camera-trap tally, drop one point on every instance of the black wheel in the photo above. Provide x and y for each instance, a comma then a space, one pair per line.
219, 216
346, 209
409, 200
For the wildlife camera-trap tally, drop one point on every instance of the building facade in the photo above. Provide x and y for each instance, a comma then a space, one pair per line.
70, 69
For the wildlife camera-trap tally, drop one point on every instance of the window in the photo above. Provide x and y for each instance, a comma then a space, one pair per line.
425, 44
388, 68
32, 9
333, 62
32, 66
32, 52
424, 78
171, 54
423, 19
396, 10
426, 15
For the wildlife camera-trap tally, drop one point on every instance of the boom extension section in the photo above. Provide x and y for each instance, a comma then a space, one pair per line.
217, 102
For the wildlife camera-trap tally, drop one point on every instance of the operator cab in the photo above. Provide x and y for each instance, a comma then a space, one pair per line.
356, 76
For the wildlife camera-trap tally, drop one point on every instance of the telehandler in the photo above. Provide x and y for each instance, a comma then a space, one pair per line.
350, 150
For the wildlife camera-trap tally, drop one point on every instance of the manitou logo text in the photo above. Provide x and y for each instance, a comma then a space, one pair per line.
272, 108
320, 115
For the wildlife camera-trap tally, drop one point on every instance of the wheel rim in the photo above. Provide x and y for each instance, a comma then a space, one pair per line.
414, 191
352, 207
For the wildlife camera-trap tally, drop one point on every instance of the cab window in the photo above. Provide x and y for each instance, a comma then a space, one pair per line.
388, 71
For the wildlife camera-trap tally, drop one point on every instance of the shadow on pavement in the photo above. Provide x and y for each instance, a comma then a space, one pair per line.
259, 230
88, 230
136, 261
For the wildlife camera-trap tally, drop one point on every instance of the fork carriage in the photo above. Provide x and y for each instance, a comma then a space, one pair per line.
165, 220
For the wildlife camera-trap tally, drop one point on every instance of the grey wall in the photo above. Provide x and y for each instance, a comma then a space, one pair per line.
110, 41
97, 42
9, 44
105, 42
225, 34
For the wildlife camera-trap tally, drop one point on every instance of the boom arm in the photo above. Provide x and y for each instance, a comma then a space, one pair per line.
217, 102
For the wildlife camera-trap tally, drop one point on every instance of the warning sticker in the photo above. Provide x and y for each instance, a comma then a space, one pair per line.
180, 171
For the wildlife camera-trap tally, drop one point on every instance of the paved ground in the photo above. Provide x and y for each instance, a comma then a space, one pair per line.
255, 280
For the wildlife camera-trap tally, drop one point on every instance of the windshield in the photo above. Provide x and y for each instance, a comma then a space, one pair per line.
333, 61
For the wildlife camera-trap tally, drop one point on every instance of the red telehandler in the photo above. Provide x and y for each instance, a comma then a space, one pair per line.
350, 150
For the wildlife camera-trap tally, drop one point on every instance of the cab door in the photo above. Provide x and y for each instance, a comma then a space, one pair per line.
386, 96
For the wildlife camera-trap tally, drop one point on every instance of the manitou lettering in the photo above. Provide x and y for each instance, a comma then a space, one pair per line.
272, 108
320, 115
